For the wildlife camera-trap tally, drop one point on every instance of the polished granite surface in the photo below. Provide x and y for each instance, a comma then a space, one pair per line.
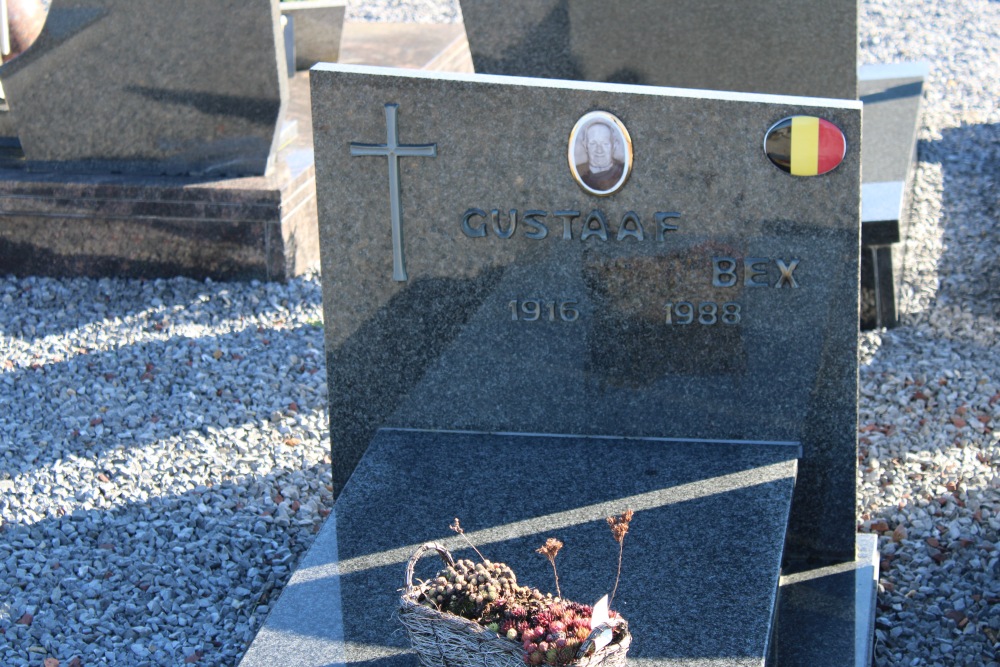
713, 296
701, 558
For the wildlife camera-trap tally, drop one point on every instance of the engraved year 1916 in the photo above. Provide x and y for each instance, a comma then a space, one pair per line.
542, 310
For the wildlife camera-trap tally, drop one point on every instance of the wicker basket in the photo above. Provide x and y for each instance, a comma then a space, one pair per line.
446, 640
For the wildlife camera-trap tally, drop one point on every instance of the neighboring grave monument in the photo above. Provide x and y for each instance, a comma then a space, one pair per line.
317, 29
155, 143
113, 86
891, 95
607, 296
787, 47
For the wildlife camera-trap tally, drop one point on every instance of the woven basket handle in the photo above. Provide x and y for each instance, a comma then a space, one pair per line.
423, 548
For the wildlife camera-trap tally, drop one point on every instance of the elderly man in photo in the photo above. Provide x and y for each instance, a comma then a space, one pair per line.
601, 171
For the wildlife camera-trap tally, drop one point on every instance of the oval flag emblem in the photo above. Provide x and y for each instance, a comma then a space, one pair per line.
805, 145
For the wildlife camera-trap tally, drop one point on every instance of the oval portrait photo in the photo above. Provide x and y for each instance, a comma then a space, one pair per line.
600, 153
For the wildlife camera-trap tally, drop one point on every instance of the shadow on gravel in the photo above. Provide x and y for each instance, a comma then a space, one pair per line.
932, 425
35, 307
175, 390
970, 266
154, 582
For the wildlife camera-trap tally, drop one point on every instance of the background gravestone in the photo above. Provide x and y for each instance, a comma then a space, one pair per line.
157, 144
113, 86
318, 25
788, 47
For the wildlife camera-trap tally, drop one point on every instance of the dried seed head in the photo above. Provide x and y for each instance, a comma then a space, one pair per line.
550, 548
619, 525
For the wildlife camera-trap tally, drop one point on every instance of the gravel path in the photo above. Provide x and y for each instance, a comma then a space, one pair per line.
930, 390
163, 444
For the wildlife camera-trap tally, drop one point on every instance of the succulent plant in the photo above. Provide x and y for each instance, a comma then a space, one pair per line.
550, 630
468, 589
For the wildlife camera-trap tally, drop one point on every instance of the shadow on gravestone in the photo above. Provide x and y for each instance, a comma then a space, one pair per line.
406, 335
124, 87
532, 40
784, 47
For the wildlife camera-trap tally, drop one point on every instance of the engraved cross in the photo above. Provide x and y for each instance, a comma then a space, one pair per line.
395, 150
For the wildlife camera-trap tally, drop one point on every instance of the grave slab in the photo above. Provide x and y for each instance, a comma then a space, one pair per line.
714, 296
701, 560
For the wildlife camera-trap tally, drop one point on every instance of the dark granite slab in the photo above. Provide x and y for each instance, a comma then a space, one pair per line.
134, 225
892, 96
786, 47
127, 87
447, 350
826, 614
701, 560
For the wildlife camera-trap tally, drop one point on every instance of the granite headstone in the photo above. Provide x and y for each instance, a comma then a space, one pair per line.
318, 25
891, 95
709, 297
613, 296
787, 47
128, 87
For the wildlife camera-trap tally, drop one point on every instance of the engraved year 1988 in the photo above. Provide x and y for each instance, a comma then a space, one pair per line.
541, 310
705, 313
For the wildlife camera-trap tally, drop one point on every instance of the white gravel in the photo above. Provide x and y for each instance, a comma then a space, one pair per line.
930, 390
413, 11
164, 449
163, 464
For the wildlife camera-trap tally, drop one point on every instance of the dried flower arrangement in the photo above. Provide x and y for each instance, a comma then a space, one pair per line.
479, 608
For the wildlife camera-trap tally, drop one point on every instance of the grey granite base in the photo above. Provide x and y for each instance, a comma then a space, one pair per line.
892, 96
701, 561
259, 227
826, 616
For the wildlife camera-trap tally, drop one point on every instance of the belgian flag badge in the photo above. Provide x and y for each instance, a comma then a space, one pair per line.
805, 145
